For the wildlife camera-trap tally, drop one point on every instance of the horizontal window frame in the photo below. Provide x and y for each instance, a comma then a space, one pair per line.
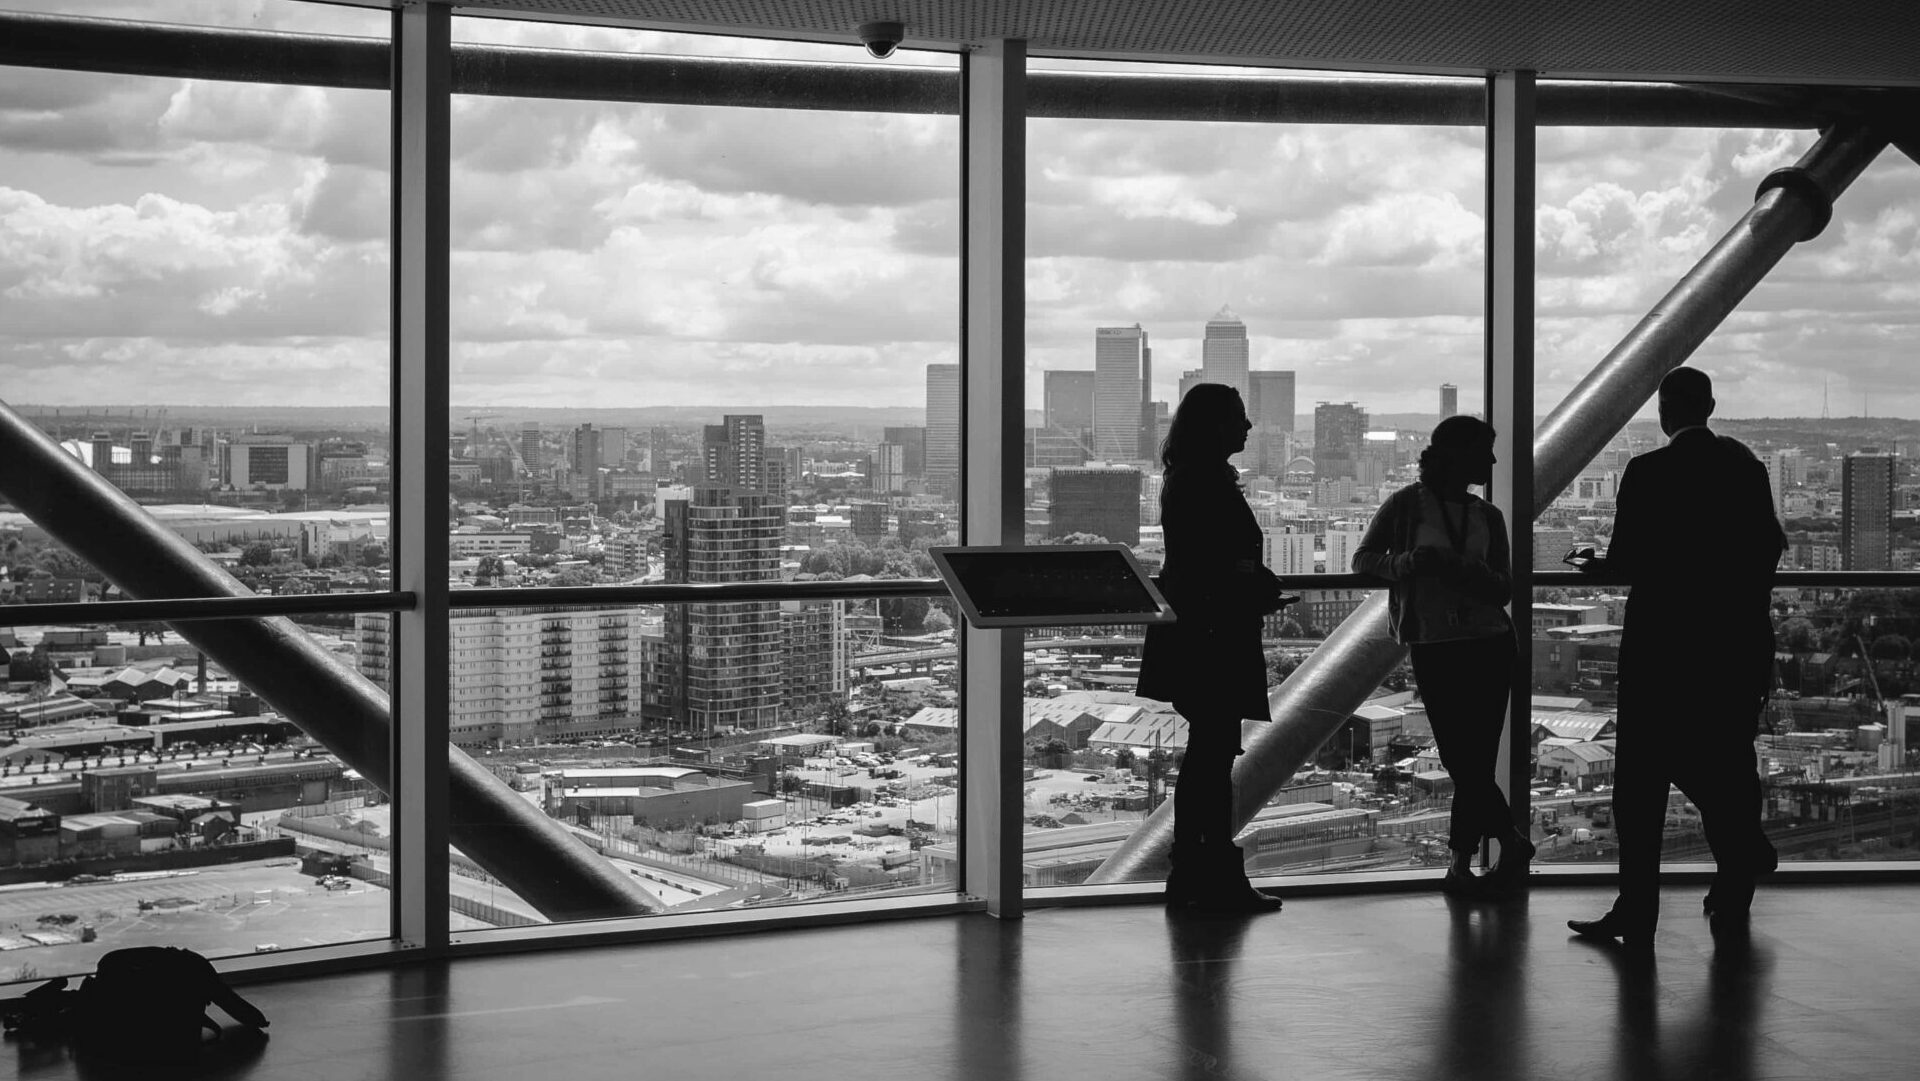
693, 593
185, 609
1781, 579
128, 47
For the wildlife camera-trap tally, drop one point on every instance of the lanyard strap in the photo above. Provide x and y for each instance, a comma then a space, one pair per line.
1457, 539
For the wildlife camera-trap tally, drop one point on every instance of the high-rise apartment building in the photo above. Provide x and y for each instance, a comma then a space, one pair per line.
889, 468
1449, 400
1287, 551
734, 453
1119, 359
814, 659
521, 674
786, 470
913, 444
1101, 500
1224, 351
1550, 546
943, 429
1339, 433
1341, 544
719, 664
613, 447
1866, 511
1777, 477
533, 456
1270, 408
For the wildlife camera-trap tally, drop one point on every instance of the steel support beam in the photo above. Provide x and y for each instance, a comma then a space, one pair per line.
992, 430
532, 854
1793, 204
1509, 388
422, 118
134, 48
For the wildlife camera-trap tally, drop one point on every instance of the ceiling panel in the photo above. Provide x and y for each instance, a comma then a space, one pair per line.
1813, 41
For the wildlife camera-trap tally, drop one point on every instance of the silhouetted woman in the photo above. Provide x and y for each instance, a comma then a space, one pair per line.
1445, 553
1209, 663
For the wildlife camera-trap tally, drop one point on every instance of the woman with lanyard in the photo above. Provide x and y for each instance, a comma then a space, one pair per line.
1445, 555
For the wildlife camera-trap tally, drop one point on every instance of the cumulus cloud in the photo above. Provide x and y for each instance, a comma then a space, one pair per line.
219, 243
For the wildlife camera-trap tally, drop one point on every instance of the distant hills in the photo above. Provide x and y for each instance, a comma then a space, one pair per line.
863, 422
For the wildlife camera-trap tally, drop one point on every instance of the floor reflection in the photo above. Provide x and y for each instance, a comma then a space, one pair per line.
1485, 1029
1714, 1035
988, 1005
1205, 950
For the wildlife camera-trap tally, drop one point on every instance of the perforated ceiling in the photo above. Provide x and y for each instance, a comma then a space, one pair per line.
1845, 41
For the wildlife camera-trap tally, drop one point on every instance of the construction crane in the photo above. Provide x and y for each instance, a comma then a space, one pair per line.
473, 432
1879, 701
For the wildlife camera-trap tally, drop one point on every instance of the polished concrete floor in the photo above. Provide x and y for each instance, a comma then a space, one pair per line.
1364, 987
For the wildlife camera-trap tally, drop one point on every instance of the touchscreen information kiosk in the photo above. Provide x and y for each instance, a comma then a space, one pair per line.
1050, 586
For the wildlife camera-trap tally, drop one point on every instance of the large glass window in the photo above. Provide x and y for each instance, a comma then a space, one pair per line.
193, 278
1337, 287
708, 344
1801, 377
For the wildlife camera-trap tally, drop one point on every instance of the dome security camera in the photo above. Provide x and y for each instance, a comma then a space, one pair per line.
881, 39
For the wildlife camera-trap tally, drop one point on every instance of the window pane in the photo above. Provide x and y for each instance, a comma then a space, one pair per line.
1103, 759
722, 754
1800, 371
148, 797
1336, 286
656, 298
196, 301
1837, 775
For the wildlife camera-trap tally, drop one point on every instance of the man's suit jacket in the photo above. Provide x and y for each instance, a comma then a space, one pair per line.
1696, 536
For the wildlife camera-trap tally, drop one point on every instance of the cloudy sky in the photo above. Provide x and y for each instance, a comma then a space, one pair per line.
210, 243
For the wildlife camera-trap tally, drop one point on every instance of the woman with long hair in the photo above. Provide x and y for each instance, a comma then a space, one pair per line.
1209, 662
1445, 555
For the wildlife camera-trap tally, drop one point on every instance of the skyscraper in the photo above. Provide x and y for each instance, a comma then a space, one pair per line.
1223, 352
1118, 355
1270, 408
1866, 511
1148, 440
943, 428
584, 460
532, 456
1189, 379
1068, 400
1449, 400
1339, 432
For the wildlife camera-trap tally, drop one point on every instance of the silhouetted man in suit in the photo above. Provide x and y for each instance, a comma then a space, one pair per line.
1695, 536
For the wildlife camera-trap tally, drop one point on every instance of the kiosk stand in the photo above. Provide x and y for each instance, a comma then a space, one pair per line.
1005, 586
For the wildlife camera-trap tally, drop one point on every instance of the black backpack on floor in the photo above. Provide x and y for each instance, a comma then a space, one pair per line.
142, 1004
